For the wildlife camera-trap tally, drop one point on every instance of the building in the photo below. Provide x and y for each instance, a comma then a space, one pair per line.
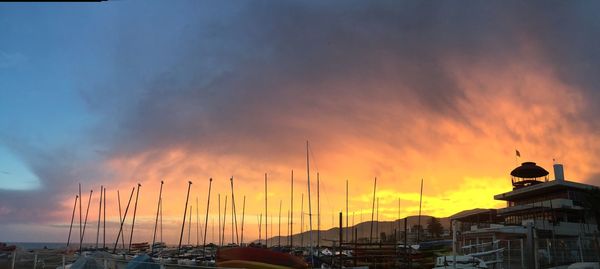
545, 222
557, 206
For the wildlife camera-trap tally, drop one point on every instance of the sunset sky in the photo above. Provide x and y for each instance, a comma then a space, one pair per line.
121, 92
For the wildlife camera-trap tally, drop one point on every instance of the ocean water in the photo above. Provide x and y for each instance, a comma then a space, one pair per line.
48, 245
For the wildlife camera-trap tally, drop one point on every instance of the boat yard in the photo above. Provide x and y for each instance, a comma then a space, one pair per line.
547, 224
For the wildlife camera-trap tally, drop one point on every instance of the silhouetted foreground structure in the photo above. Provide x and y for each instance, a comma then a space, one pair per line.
546, 223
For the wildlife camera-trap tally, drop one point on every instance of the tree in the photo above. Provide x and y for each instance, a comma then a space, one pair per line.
434, 227
592, 202
417, 228
383, 237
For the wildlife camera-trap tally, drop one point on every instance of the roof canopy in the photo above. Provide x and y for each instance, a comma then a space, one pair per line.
529, 170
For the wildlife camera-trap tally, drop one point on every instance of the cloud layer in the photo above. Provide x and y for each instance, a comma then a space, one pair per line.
394, 90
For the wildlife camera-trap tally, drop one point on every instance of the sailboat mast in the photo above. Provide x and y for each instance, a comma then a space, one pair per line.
224, 218
104, 222
232, 223
85, 220
219, 230
184, 215
157, 211
123, 221
420, 203
266, 214
309, 206
260, 228
347, 211
291, 220
373, 210
161, 218
377, 221
137, 194
279, 237
120, 218
234, 215
302, 221
243, 214
72, 218
80, 216
318, 213
197, 223
206, 219
99, 217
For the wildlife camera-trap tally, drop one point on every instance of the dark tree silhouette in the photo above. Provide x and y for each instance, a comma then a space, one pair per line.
434, 227
592, 203
416, 228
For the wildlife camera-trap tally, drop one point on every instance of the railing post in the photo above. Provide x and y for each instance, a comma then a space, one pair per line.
508, 254
35, 260
580, 248
14, 257
522, 254
531, 247
550, 261
63, 261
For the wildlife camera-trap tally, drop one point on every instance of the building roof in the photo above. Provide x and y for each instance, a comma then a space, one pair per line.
543, 187
472, 212
529, 170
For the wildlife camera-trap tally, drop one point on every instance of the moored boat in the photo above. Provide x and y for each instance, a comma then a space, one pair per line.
140, 246
243, 255
5, 247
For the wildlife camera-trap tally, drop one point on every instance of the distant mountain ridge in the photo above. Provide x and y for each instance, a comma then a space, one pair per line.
364, 229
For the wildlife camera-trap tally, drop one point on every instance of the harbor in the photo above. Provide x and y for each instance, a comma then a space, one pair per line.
548, 223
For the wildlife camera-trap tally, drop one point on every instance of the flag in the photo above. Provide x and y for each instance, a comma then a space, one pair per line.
518, 153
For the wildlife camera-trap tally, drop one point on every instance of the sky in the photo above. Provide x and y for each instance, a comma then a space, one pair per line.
123, 92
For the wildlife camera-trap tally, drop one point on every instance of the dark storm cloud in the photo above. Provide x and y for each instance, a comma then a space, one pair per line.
242, 79
568, 35
238, 81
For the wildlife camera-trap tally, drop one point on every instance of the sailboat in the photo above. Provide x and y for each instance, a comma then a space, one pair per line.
264, 258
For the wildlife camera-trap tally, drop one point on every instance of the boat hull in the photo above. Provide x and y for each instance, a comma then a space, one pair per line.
260, 255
